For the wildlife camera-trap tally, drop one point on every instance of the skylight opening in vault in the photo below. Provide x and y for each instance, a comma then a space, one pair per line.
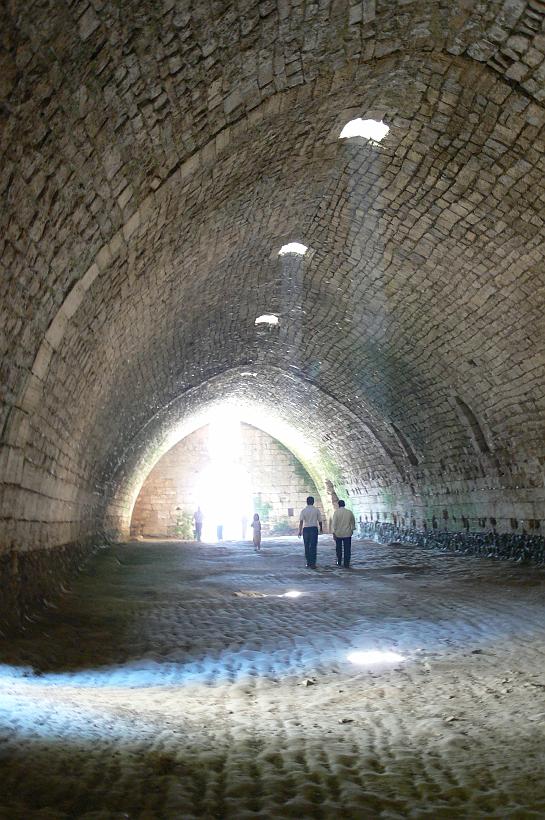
267, 319
370, 129
293, 247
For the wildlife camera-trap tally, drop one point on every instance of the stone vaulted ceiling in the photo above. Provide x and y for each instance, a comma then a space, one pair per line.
155, 158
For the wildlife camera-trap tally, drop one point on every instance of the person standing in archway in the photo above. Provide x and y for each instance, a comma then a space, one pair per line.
309, 521
343, 525
256, 526
197, 518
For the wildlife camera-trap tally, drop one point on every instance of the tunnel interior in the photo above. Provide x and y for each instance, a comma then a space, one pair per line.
251, 251
157, 171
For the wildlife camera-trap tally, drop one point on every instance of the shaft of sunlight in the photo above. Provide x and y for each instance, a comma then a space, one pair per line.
222, 488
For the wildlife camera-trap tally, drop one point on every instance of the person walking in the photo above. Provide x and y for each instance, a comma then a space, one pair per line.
197, 518
309, 521
342, 526
256, 526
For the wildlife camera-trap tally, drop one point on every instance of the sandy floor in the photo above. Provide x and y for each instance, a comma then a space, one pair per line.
173, 682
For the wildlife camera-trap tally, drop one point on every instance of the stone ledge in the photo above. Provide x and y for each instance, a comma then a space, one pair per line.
486, 544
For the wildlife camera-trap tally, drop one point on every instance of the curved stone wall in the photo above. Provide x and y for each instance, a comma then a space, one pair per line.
155, 157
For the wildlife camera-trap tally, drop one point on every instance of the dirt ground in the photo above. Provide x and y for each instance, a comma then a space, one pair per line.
179, 681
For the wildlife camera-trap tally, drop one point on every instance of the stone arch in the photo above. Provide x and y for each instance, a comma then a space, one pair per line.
300, 427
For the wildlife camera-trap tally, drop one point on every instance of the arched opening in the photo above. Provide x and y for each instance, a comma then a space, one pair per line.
368, 129
310, 423
230, 470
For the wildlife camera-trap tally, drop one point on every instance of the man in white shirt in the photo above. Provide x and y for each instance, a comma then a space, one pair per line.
309, 520
343, 525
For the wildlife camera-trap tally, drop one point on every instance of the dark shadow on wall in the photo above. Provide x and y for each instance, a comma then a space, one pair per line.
409, 452
30, 578
470, 419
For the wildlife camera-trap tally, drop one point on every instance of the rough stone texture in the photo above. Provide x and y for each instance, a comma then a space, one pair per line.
489, 544
29, 580
155, 157
278, 486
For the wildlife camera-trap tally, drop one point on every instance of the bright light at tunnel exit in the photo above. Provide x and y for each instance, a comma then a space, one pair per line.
222, 488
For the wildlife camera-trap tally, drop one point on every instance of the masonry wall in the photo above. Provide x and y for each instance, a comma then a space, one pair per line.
277, 481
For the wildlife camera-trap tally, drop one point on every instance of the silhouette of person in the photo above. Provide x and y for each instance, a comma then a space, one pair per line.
256, 526
197, 518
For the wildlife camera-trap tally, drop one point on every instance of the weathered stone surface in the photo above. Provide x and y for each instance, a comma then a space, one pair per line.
31, 579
